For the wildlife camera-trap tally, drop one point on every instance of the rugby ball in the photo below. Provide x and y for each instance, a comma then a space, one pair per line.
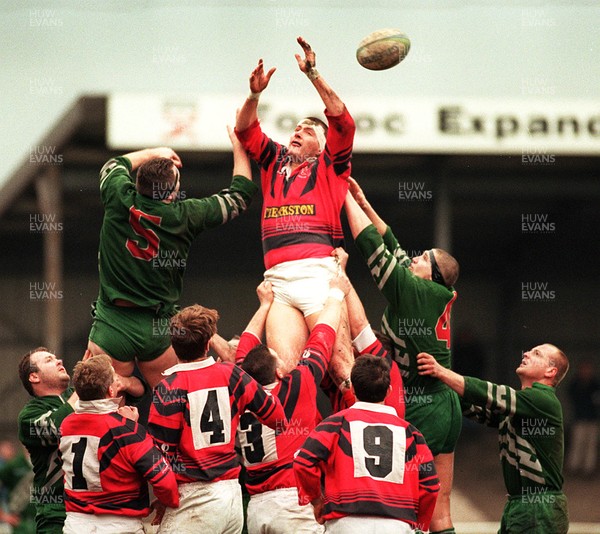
382, 49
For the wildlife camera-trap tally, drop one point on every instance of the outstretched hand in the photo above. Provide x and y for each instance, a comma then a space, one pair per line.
258, 79
310, 58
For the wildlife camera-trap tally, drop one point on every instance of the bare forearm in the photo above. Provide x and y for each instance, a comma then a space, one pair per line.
222, 348
356, 313
451, 379
247, 114
257, 324
357, 219
332, 101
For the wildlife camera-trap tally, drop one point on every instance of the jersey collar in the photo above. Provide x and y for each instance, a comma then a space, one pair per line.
190, 366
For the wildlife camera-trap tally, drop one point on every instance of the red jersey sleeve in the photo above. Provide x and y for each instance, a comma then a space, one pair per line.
247, 342
152, 465
267, 408
429, 484
317, 351
395, 397
340, 138
309, 460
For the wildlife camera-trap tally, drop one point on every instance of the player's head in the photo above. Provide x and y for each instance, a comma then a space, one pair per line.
42, 373
370, 378
437, 265
93, 379
191, 330
308, 139
263, 364
545, 363
158, 179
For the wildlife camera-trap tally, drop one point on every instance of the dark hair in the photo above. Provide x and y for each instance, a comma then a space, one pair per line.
386, 342
93, 377
370, 377
26, 368
448, 266
191, 330
261, 365
156, 178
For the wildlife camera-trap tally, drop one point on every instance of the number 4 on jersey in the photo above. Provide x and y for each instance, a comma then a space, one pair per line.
442, 327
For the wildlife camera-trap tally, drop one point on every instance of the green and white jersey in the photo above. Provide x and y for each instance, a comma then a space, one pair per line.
39, 425
144, 243
531, 433
417, 316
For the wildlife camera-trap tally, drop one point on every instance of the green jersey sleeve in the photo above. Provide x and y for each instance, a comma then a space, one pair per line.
115, 172
209, 212
391, 243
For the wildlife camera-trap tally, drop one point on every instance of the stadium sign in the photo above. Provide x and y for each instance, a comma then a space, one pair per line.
384, 125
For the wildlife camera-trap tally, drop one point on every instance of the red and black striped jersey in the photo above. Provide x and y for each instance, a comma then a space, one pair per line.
107, 462
195, 413
395, 397
268, 455
301, 212
371, 463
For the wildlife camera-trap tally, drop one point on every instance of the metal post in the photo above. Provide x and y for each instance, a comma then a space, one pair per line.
49, 195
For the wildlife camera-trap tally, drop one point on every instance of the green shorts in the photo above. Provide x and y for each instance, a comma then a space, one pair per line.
130, 333
437, 415
543, 513
50, 518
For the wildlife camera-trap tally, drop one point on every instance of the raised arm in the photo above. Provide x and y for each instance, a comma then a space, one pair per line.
259, 81
241, 161
256, 326
332, 101
140, 157
359, 195
357, 219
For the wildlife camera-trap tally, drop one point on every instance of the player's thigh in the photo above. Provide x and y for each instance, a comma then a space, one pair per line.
152, 369
438, 417
121, 368
286, 333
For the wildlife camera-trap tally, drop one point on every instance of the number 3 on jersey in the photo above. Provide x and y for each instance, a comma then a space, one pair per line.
149, 236
378, 451
210, 417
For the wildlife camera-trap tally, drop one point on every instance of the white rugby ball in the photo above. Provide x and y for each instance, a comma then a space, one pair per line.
382, 49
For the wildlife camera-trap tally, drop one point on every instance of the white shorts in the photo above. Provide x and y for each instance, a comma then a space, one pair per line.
302, 284
367, 524
78, 523
206, 508
278, 512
